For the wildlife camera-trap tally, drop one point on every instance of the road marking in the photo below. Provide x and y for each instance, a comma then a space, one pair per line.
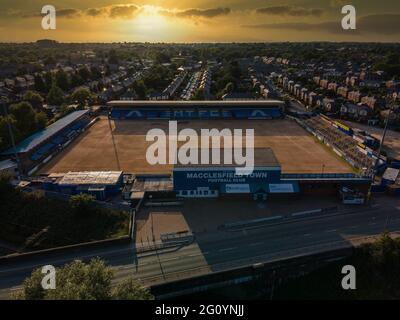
307, 234
227, 249
372, 223
333, 230
353, 227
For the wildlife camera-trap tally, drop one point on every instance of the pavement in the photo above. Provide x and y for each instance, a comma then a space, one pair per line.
219, 251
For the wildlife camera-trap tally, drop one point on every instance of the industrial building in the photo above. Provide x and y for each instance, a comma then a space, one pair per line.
100, 184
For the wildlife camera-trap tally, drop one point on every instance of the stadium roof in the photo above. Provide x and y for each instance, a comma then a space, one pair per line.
91, 178
39, 137
7, 164
213, 103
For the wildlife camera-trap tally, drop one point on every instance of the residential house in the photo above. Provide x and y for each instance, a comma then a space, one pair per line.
20, 83
30, 81
373, 102
332, 86
355, 96
238, 96
9, 83
355, 111
343, 92
324, 83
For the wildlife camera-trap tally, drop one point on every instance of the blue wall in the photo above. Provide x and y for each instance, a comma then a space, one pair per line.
228, 113
216, 179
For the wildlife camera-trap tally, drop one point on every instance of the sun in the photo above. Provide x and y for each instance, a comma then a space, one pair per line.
150, 18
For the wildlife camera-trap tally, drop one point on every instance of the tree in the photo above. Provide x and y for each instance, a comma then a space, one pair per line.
5, 186
34, 99
198, 96
25, 117
84, 73
48, 80
112, 57
62, 80
33, 289
162, 57
131, 290
229, 88
96, 74
76, 80
55, 96
82, 96
74, 281
41, 120
140, 89
4, 134
82, 281
50, 60
82, 203
39, 83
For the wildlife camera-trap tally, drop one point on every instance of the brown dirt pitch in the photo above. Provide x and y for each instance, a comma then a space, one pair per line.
121, 145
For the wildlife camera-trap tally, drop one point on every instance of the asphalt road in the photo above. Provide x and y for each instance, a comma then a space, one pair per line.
225, 250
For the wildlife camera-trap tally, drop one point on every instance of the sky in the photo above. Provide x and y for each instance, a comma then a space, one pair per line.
200, 20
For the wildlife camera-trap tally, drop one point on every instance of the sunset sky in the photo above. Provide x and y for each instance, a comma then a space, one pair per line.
199, 20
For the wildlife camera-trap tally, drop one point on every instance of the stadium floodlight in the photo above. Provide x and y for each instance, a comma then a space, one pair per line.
390, 101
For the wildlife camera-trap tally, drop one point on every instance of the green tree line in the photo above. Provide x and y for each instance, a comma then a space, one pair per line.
82, 281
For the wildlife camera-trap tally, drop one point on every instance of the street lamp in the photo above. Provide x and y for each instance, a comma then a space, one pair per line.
390, 101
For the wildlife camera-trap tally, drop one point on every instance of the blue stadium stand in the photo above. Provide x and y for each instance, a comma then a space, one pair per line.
58, 140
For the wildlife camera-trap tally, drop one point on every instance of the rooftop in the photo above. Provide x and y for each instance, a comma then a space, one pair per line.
39, 137
91, 178
7, 164
152, 184
214, 103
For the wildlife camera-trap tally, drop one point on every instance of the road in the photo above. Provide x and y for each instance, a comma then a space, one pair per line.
225, 250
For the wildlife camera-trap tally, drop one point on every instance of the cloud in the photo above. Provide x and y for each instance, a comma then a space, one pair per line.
68, 13
128, 11
333, 27
383, 24
290, 11
380, 23
204, 13
123, 11
64, 13
95, 12
196, 12
338, 3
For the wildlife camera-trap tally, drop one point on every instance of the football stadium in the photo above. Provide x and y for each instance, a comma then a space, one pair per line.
288, 159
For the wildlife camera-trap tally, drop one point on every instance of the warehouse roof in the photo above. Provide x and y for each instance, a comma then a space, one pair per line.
39, 137
91, 178
263, 158
391, 174
150, 184
213, 103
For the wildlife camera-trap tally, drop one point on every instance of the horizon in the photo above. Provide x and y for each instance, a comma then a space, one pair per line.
194, 42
